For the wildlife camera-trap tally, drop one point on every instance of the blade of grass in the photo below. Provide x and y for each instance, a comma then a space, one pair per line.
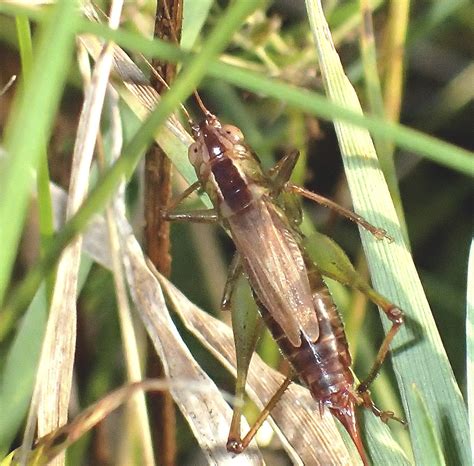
194, 17
21, 361
421, 358
424, 145
129, 338
374, 93
427, 146
125, 165
407, 138
430, 440
20, 369
470, 345
25, 133
45, 208
394, 54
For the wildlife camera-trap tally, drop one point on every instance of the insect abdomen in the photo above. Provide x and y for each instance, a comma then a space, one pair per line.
323, 366
233, 188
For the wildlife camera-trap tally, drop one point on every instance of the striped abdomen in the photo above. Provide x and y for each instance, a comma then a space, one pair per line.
323, 366
232, 186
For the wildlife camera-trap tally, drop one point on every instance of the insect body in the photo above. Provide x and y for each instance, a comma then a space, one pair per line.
271, 258
292, 296
324, 366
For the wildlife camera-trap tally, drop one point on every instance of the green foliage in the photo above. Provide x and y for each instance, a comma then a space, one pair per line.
277, 63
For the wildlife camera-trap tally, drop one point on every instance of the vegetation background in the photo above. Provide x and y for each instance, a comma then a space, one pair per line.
435, 73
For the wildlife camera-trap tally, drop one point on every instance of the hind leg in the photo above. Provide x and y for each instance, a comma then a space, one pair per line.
385, 416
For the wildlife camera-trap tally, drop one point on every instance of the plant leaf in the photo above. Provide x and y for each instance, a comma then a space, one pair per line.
420, 357
470, 345
429, 441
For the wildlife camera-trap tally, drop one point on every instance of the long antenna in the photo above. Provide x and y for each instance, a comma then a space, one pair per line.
162, 81
201, 105
204, 109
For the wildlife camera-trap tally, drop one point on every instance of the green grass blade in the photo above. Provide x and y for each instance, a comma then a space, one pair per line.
194, 16
131, 155
470, 346
374, 94
20, 370
431, 148
419, 354
29, 126
422, 144
383, 449
45, 207
428, 440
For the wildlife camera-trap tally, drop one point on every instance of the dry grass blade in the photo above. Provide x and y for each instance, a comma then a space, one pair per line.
95, 241
53, 384
142, 98
207, 413
308, 437
51, 445
138, 411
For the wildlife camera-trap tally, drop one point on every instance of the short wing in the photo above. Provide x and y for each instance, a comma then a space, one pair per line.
274, 264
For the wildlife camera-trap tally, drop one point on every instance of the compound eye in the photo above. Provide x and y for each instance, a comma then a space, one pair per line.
233, 133
193, 153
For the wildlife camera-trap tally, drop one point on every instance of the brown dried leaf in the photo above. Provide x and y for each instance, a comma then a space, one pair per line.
54, 378
47, 448
207, 412
308, 437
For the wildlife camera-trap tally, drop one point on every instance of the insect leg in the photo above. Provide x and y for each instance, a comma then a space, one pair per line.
282, 170
197, 216
384, 416
235, 269
235, 443
188, 191
379, 233
395, 315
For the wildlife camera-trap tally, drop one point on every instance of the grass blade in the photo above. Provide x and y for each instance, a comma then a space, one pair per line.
419, 357
20, 370
38, 96
429, 440
126, 164
470, 346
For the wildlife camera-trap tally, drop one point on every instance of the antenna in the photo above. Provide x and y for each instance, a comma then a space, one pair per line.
199, 101
204, 109
162, 81
201, 105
